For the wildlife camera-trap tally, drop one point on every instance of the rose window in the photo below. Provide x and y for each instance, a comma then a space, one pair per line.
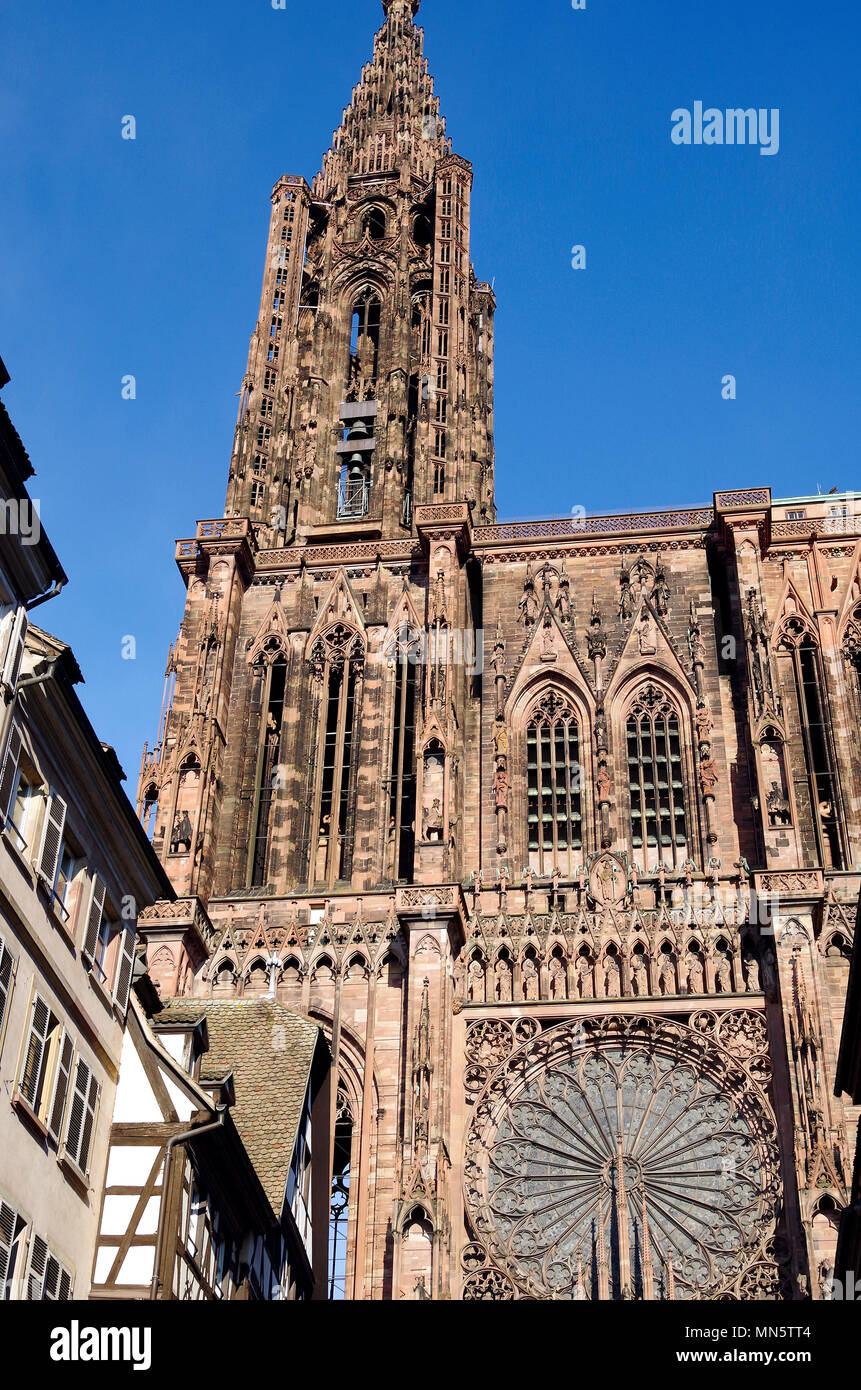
633, 1161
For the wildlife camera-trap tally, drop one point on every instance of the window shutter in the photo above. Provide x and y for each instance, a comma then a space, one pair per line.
61, 1087
34, 1060
8, 1224
36, 1267
125, 967
5, 979
15, 651
94, 917
10, 772
56, 1280
52, 839
82, 1116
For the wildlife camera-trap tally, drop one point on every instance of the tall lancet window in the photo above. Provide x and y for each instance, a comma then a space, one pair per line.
268, 771
365, 338
655, 779
339, 1211
554, 796
401, 838
337, 662
797, 644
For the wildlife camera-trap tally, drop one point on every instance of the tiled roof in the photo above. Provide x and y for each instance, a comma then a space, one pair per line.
269, 1049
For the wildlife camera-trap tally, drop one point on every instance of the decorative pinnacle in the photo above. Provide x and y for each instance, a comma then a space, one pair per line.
389, 5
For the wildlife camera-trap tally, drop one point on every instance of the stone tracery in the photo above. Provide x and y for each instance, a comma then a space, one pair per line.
604, 1155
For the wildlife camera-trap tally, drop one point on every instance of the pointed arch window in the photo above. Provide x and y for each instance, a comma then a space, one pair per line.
554, 810
365, 337
798, 645
273, 671
339, 1210
337, 661
659, 827
402, 781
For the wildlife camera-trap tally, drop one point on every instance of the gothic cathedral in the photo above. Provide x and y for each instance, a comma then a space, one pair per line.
551, 825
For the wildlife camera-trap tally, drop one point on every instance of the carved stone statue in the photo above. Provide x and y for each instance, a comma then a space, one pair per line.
432, 821
558, 988
529, 972
639, 975
500, 789
585, 986
751, 974
709, 777
180, 840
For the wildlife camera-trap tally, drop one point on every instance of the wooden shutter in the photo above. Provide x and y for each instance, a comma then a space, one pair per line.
5, 980
94, 917
82, 1116
57, 1281
9, 775
61, 1087
125, 966
36, 1266
8, 1227
36, 1051
15, 651
52, 839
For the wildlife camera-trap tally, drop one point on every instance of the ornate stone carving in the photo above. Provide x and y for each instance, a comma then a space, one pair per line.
619, 1146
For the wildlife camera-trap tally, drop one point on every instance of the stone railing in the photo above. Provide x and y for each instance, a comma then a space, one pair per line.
563, 528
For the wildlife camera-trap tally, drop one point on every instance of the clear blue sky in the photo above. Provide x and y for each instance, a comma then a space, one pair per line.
146, 258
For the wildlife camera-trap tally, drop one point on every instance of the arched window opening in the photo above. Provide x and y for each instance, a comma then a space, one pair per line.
819, 753
268, 779
339, 1209
188, 791
554, 794
422, 326
150, 808
338, 662
365, 338
798, 645
422, 230
402, 779
374, 224
658, 820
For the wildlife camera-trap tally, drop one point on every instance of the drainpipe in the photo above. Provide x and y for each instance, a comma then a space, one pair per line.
183, 1138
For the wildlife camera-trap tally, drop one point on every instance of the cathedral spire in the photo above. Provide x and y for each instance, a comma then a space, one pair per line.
400, 6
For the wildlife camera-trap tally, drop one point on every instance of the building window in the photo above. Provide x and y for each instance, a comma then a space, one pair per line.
338, 664
439, 478
19, 791
339, 1210
7, 970
553, 787
12, 1230
46, 1067
795, 516
355, 490
299, 1178
109, 946
374, 224
46, 1279
655, 780
798, 645
365, 337
82, 1117
274, 676
402, 782
68, 883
